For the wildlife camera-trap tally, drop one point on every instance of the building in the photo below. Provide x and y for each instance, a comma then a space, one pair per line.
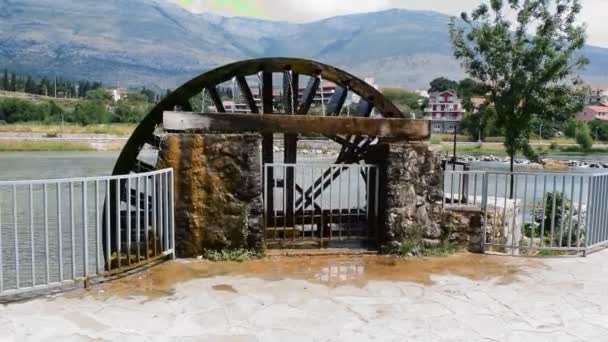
445, 112
324, 93
598, 96
591, 113
118, 93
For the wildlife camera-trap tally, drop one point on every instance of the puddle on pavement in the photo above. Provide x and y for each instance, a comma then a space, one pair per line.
224, 288
333, 271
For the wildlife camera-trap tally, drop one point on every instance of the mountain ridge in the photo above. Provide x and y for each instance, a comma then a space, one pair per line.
154, 42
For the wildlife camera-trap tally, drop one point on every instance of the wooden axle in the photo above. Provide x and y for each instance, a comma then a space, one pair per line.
406, 129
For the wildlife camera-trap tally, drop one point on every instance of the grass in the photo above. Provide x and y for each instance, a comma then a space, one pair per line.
414, 248
578, 149
29, 145
498, 149
238, 255
476, 149
52, 129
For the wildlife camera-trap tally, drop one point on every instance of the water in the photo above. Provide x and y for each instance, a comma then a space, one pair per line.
52, 165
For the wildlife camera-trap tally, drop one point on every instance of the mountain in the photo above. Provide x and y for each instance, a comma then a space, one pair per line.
156, 42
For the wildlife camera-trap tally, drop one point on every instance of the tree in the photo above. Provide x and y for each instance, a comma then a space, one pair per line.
528, 65
90, 112
149, 94
443, 84
406, 101
583, 137
13, 85
5, 84
468, 88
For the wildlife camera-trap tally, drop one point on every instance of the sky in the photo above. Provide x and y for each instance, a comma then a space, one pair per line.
310, 10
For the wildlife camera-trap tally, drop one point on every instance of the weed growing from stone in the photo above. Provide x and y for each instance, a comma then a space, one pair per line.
238, 255
412, 248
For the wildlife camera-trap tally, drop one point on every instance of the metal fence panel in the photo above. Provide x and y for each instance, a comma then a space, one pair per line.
52, 231
534, 212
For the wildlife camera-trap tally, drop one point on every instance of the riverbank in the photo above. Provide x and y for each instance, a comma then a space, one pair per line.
116, 129
499, 149
66, 142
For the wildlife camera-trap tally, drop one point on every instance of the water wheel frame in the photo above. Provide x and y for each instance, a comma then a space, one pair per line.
353, 148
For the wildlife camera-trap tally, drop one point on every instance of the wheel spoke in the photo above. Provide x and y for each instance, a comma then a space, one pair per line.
337, 101
246, 91
364, 109
309, 95
217, 101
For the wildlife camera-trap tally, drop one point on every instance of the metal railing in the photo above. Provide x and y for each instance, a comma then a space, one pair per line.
316, 202
531, 213
56, 232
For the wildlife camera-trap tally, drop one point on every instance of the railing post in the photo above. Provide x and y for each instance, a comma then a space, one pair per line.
172, 206
484, 208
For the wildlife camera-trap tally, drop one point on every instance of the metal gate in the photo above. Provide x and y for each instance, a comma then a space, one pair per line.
319, 205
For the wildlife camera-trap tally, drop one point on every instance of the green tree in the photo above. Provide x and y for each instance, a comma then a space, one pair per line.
443, 84
98, 95
583, 137
89, 112
5, 84
526, 65
13, 84
406, 101
149, 94
599, 129
468, 88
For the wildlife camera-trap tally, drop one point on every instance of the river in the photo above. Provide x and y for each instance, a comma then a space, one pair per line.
42, 165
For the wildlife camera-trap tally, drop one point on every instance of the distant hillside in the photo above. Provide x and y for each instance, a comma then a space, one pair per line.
155, 42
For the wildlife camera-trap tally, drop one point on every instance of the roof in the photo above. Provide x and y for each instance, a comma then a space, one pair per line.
478, 101
597, 109
447, 92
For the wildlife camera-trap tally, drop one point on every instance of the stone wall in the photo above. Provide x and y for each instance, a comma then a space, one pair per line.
413, 198
218, 191
413, 202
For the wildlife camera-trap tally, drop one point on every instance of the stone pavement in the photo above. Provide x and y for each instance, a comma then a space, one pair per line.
356, 298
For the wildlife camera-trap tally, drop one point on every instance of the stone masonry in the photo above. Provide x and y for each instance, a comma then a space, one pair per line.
218, 191
413, 202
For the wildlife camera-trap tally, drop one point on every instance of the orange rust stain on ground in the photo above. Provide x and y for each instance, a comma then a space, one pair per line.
331, 271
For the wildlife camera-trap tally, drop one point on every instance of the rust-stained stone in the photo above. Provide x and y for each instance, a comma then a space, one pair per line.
218, 191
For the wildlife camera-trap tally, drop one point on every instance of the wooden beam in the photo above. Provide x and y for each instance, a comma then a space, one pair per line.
405, 129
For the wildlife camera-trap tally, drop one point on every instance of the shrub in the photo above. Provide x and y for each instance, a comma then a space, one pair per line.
583, 137
495, 139
417, 248
436, 140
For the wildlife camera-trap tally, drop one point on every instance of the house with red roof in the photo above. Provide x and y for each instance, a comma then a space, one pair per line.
591, 113
445, 111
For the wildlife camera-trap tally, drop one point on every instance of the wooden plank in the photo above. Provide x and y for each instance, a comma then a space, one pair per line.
406, 129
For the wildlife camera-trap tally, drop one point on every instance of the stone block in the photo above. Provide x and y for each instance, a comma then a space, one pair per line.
218, 191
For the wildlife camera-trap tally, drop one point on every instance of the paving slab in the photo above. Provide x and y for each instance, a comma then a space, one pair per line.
331, 298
